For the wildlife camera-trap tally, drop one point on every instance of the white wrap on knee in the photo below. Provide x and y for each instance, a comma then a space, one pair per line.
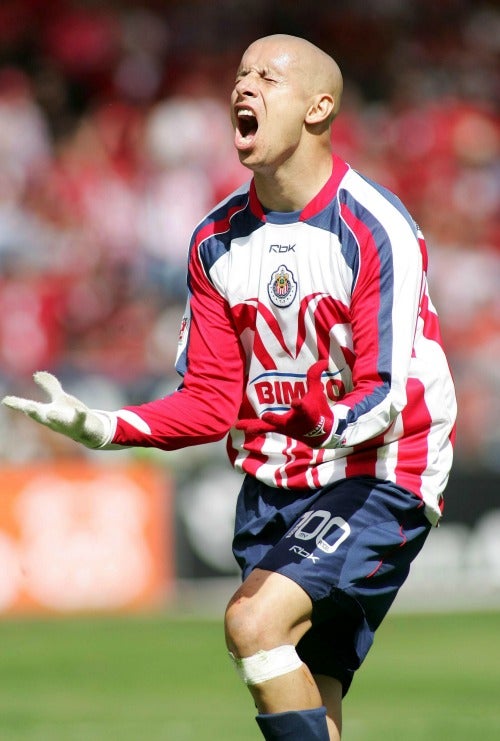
266, 665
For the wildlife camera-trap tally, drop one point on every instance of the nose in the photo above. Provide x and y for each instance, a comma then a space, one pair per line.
246, 87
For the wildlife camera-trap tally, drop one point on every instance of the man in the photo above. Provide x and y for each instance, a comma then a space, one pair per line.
310, 338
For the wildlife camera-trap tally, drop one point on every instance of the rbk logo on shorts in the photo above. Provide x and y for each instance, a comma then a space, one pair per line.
303, 553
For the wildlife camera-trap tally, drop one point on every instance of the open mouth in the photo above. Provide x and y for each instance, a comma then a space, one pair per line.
246, 127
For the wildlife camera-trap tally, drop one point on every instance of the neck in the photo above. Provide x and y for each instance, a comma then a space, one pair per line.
292, 186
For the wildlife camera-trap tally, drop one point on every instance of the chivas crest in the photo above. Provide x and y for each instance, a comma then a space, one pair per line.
282, 287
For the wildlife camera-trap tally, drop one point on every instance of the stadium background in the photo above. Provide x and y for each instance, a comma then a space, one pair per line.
114, 141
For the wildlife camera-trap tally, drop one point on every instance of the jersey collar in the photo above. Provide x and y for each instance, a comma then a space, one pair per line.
317, 204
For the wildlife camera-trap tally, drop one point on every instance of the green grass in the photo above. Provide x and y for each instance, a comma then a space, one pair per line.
432, 677
160, 678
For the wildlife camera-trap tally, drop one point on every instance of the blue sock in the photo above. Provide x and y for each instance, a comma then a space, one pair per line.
296, 725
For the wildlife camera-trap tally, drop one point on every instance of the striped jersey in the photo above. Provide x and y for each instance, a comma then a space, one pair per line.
271, 293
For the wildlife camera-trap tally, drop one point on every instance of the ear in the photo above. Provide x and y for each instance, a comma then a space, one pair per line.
320, 109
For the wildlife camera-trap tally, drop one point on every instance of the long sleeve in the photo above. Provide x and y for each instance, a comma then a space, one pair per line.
384, 309
210, 358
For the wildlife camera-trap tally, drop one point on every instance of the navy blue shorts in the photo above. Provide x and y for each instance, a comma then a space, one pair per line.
349, 545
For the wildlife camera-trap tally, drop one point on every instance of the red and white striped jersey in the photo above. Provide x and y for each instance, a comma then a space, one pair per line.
271, 293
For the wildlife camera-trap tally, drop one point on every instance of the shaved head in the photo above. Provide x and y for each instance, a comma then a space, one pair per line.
286, 94
318, 70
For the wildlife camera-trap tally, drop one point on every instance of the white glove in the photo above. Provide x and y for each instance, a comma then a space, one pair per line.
66, 414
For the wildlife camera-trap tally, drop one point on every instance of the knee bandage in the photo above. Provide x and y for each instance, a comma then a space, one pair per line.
266, 665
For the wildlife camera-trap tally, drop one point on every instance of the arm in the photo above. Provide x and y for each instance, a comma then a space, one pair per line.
384, 311
206, 405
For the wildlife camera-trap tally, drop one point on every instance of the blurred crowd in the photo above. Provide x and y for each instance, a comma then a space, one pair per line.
115, 141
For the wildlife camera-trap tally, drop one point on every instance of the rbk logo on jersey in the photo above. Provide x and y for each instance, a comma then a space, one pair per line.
282, 287
281, 248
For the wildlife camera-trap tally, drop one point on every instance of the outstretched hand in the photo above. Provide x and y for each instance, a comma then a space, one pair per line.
65, 413
310, 418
